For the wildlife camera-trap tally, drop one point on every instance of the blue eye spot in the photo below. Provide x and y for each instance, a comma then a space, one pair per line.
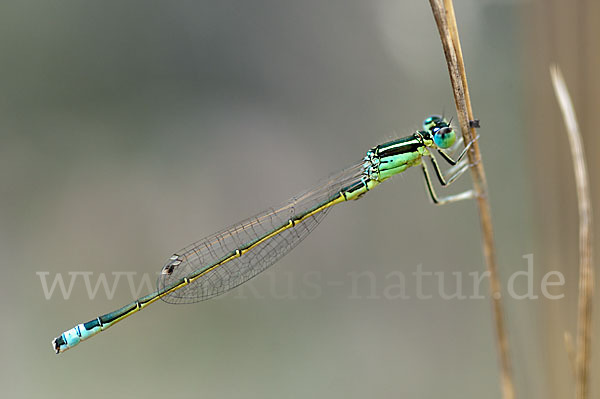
431, 122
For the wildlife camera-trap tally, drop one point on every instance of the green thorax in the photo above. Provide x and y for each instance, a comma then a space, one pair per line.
396, 156
389, 159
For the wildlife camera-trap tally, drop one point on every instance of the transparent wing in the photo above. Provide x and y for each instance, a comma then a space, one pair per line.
206, 253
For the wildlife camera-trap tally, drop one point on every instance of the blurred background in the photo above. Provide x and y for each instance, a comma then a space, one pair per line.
130, 129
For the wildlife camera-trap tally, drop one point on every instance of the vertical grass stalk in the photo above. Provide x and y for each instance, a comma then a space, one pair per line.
586, 272
446, 23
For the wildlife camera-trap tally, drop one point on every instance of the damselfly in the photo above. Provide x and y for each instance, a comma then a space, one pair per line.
234, 255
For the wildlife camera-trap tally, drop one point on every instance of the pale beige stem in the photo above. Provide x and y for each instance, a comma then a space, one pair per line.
446, 23
586, 272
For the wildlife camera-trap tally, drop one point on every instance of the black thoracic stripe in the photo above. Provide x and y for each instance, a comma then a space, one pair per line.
400, 146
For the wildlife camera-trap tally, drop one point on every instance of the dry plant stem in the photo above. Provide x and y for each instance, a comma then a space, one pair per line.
446, 23
586, 273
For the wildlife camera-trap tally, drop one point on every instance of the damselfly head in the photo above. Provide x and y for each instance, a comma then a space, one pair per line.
440, 131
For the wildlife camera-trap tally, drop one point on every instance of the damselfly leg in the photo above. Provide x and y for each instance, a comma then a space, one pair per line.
460, 166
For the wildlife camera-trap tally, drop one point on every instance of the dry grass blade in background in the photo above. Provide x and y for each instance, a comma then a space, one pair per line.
446, 23
586, 272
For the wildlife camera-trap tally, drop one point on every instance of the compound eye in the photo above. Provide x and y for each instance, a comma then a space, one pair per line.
444, 137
